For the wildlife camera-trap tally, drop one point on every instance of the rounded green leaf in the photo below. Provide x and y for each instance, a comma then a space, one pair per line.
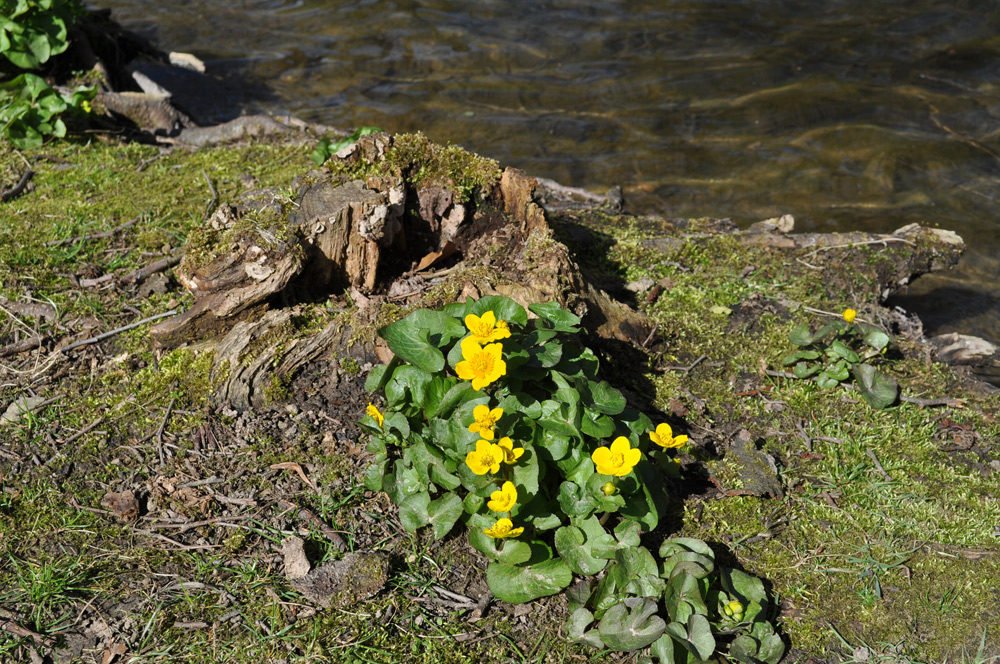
517, 585
624, 629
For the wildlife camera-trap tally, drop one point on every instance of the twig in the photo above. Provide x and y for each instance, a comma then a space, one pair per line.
882, 240
90, 427
17, 188
805, 436
183, 547
197, 524
21, 346
12, 627
688, 368
308, 515
163, 424
650, 337
144, 273
97, 281
119, 330
215, 196
205, 482
946, 401
92, 236
878, 464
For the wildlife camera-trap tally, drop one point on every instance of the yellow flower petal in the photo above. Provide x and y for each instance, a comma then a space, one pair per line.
485, 458
503, 528
375, 415
486, 420
618, 460
849, 315
481, 365
504, 499
510, 453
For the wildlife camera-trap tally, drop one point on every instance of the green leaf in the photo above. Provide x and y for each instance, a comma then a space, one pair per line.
801, 355
663, 649
826, 381
555, 443
877, 389
502, 307
413, 511
379, 376
804, 369
544, 356
574, 500
523, 403
556, 317
408, 387
457, 394
840, 349
801, 336
560, 418
443, 513
605, 399
417, 339
517, 585
873, 336
684, 544
576, 626
624, 629
596, 425
571, 543
746, 587
696, 637
435, 391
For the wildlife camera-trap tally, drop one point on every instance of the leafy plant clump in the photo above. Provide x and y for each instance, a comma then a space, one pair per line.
499, 423
841, 349
31, 32
326, 148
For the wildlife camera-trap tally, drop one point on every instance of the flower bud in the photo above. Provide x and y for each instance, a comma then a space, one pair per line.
609, 489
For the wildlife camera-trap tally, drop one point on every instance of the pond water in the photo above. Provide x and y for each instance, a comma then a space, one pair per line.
849, 115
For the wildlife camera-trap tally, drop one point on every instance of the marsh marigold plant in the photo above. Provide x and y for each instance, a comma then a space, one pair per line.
498, 423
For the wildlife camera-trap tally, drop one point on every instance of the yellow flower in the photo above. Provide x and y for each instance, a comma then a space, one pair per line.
485, 458
85, 105
503, 528
618, 460
849, 315
481, 365
377, 416
510, 453
664, 437
486, 419
487, 329
504, 499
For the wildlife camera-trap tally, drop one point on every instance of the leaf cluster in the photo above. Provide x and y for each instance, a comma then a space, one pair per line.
557, 410
326, 148
622, 610
30, 109
837, 351
31, 32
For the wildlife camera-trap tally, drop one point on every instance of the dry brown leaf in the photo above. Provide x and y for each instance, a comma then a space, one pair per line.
124, 505
291, 465
113, 650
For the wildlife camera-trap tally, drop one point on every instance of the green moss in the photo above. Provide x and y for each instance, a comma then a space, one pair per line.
423, 163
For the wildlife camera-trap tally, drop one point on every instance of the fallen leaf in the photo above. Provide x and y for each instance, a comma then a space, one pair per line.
113, 650
291, 465
124, 505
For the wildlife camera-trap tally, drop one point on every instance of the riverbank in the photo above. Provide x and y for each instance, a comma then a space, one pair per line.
144, 518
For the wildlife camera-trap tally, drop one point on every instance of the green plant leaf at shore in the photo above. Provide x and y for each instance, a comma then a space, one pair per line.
523, 584
878, 390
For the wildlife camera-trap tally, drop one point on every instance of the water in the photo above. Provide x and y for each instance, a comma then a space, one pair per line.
849, 115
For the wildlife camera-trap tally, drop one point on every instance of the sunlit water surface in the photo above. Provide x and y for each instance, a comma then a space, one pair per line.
849, 115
